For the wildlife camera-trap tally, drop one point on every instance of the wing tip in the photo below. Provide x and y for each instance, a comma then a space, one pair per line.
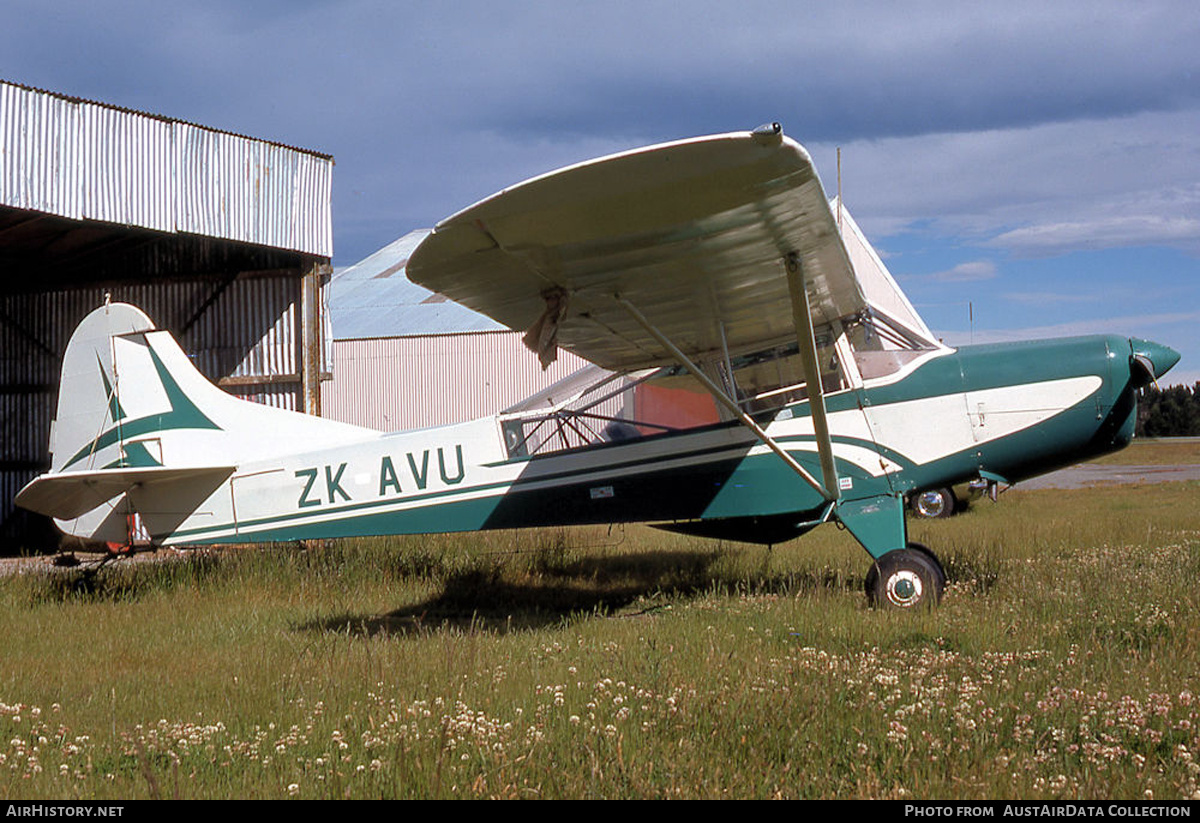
768, 134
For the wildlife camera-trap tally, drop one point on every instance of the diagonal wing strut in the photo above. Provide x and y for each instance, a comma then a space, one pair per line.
829, 490
806, 338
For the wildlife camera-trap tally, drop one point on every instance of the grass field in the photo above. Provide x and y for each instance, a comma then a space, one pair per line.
1063, 663
1155, 452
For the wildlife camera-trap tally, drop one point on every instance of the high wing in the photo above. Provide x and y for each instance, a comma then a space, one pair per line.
678, 253
693, 234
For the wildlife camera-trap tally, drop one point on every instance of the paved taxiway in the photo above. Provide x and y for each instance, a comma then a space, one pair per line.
1089, 474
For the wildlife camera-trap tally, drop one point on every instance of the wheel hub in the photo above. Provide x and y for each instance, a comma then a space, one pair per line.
904, 588
930, 504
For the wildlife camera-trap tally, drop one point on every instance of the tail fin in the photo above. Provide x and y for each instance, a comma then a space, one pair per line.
135, 414
88, 403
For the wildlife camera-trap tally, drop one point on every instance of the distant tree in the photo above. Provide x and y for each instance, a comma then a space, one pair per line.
1170, 412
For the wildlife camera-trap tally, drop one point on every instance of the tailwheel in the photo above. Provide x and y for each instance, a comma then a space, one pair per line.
906, 579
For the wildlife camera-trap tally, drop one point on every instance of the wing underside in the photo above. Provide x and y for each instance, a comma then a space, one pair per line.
694, 234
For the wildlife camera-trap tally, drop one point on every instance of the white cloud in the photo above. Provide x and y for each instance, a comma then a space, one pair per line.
966, 272
1162, 328
1047, 239
1037, 191
1042, 298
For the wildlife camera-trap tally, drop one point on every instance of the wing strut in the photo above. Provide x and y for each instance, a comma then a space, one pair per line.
807, 341
725, 400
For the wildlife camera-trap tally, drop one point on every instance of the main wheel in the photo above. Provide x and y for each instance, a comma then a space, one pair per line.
937, 565
905, 579
933, 503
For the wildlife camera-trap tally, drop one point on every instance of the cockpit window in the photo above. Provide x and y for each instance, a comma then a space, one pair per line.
572, 415
881, 348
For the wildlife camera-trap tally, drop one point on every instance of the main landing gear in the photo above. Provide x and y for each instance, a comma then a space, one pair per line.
906, 579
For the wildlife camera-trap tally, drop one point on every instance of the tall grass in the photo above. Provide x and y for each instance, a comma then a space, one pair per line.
632, 663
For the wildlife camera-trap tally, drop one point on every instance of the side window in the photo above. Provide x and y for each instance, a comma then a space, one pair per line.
780, 379
878, 355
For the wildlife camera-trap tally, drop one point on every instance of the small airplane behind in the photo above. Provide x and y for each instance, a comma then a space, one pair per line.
715, 263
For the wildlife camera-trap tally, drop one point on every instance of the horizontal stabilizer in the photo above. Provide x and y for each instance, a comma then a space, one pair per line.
67, 495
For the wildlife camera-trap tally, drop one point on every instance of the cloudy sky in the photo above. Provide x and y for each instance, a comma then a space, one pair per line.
1025, 169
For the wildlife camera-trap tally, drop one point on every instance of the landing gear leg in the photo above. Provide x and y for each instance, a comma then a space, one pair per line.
904, 575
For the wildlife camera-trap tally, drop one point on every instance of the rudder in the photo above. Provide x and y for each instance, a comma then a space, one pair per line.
140, 430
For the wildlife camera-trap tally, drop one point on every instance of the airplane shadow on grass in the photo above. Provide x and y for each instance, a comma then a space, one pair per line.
625, 586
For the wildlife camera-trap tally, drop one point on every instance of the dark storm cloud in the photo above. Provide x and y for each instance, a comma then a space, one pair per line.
429, 106
855, 71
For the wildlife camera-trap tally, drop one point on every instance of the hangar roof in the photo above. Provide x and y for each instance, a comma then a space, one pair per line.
375, 298
102, 167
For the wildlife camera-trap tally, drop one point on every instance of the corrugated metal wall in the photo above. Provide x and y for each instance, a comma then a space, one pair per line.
89, 161
147, 205
398, 383
246, 329
252, 328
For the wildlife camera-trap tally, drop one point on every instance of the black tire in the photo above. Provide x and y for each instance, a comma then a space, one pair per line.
933, 503
937, 565
905, 580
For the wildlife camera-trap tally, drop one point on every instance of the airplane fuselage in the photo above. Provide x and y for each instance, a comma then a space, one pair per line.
1006, 410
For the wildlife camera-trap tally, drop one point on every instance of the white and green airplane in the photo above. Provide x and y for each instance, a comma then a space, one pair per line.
715, 260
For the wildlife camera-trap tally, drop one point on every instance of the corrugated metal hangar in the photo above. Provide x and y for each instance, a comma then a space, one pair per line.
223, 239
